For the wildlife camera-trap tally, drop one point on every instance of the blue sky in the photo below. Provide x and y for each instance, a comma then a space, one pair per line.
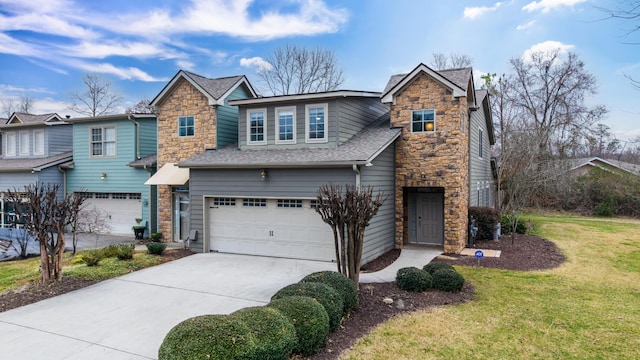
47, 45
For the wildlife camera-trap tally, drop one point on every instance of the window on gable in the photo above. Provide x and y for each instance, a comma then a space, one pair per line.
480, 143
316, 123
103, 141
285, 126
423, 121
38, 142
257, 127
24, 143
186, 126
10, 144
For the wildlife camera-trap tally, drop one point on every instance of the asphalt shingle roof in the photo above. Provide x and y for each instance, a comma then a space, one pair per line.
33, 118
149, 160
459, 77
12, 165
361, 148
214, 87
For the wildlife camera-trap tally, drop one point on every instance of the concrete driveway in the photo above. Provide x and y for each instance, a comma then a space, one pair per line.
128, 317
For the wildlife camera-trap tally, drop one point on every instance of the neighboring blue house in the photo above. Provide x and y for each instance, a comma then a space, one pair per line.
113, 156
33, 147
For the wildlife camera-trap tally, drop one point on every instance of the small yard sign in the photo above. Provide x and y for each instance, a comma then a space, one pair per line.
479, 255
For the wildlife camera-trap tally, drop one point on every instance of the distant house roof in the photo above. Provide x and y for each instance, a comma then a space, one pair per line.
111, 118
147, 161
216, 90
37, 164
457, 80
607, 165
361, 149
18, 119
306, 96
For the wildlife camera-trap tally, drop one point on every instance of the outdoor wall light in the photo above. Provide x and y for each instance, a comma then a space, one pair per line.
263, 174
103, 176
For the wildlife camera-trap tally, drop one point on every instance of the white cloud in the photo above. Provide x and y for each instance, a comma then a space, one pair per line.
547, 47
256, 62
232, 18
548, 5
9, 45
474, 12
101, 50
526, 26
185, 65
128, 73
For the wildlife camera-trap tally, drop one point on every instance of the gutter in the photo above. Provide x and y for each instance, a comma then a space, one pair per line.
64, 180
356, 169
137, 135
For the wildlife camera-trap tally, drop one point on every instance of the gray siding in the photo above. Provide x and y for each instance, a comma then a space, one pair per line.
227, 118
357, 113
481, 182
379, 237
11, 181
52, 176
280, 183
58, 139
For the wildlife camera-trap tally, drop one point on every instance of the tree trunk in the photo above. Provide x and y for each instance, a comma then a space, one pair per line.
44, 263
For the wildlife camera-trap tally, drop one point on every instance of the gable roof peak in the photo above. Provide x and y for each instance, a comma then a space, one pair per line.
397, 83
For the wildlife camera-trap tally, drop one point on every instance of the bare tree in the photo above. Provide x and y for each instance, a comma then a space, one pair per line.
441, 61
24, 105
298, 70
348, 213
8, 107
20, 242
99, 97
91, 221
630, 12
45, 217
141, 107
550, 93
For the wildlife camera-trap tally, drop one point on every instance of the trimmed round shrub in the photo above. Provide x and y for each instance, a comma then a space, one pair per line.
447, 280
435, 266
125, 251
274, 333
216, 337
309, 319
341, 284
156, 248
413, 279
92, 257
324, 294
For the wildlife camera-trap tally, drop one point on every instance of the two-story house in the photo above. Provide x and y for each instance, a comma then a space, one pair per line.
424, 142
33, 146
193, 116
113, 156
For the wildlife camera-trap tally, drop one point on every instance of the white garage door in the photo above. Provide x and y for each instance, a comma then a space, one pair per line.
119, 210
282, 228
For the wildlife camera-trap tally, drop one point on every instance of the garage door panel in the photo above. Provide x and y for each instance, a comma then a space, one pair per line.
270, 230
120, 213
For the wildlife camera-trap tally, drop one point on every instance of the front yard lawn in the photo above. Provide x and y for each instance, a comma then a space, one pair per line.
585, 309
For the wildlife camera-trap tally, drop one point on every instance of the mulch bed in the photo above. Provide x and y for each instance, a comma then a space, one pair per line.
34, 292
526, 253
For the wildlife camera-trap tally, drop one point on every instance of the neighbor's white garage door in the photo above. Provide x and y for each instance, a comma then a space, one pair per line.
120, 210
282, 228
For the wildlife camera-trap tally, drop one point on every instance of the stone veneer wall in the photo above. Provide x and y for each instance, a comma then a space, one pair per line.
183, 100
438, 159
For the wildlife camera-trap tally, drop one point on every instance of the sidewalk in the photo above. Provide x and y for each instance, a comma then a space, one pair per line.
417, 256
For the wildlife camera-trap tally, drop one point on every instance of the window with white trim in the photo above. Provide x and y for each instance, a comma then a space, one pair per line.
10, 141
135, 196
316, 123
423, 120
102, 195
480, 143
103, 141
186, 126
38, 142
286, 125
257, 127
24, 143
119, 196
218, 201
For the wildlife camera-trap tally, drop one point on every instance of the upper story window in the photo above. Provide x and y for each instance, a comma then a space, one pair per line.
316, 123
38, 142
286, 125
423, 121
10, 141
24, 143
480, 143
257, 127
186, 126
103, 141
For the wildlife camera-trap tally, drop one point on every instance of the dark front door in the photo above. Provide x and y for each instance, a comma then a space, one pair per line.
429, 219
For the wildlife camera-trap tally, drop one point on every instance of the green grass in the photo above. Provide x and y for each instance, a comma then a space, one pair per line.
585, 309
14, 274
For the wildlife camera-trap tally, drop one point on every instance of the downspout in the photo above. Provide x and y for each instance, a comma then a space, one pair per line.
64, 180
137, 134
356, 169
